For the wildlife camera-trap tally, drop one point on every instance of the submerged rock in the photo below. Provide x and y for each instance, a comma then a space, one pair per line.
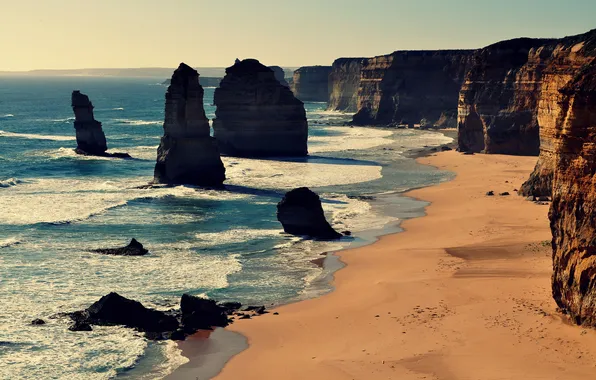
80, 326
187, 153
256, 115
300, 213
91, 140
38, 322
134, 248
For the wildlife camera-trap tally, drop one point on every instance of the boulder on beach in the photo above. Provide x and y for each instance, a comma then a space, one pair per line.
134, 248
300, 213
91, 141
187, 153
202, 313
256, 115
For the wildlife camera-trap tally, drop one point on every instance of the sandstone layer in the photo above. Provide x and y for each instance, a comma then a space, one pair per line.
411, 87
311, 83
90, 137
187, 153
256, 115
573, 210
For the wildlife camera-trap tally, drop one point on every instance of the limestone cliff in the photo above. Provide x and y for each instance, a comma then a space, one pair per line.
311, 83
187, 153
344, 82
573, 210
90, 137
406, 87
256, 116
280, 75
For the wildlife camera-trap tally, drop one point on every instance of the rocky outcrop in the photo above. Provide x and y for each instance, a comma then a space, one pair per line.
187, 153
344, 82
257, 116
194, 314
134, 248
573, 210
411, 87
280, 75
300, 213
91, 140
311, 83
507, 100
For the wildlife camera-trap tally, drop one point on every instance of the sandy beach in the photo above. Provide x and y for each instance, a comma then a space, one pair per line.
463, 293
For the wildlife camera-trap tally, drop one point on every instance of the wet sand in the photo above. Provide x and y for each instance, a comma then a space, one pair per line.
463, 293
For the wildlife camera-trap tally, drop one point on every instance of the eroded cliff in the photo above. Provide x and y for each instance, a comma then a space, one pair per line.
573, 210
344, 82
311, 83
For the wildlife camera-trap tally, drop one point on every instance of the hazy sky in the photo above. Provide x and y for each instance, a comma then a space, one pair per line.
161, 33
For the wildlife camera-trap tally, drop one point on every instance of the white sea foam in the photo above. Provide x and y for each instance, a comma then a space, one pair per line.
9, 242
118, 109
137, 122
354, 138
36, 136
10, 182
8, 115
237, 235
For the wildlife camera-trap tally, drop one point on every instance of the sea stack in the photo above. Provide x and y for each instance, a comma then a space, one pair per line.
256, 115
90, 137
573, 210
187, 153
300, 213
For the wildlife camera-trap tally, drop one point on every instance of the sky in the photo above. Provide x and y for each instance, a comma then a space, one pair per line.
70, 34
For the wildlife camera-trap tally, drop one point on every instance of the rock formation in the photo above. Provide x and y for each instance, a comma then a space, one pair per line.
573, 210
280, 75
256, 116
311, 83
187, 153
344, 82
300, 213
194, 314
91, 140
134, 248
407, 87
90, 137
203, 81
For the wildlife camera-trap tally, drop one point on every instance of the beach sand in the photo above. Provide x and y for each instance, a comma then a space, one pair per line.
463, 293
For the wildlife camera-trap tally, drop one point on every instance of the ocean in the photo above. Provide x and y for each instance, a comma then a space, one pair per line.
55, 206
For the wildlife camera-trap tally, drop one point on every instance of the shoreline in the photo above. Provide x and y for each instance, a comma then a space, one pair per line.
229, 343
474, 302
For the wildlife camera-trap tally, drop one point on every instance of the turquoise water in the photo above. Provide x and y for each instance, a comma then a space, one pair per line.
227, 245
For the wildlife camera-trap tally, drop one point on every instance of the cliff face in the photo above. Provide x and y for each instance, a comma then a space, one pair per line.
344, 82
406, 87
311, 83
280, 75
90, 137
257, 116
573, 210
187, 154
567, 59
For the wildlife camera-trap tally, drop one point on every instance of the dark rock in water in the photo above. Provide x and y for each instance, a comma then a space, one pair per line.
113, 309
300, 213
504, 194
347, 233
257, 116
256, 309
187, 153
91, 140
38, 322
231, 306
490, 193
134, 248
80, 326
201, 313
178, 335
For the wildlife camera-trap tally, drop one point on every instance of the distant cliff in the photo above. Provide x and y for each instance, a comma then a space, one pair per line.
311, 83
572, 212
344, 82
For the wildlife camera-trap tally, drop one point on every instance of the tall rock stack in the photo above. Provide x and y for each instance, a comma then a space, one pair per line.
90, 137
311, 83
573, 211
256, 115
187, 153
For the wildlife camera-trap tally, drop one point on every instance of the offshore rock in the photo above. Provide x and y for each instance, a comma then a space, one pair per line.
134, 248
91, 140
300, 213
257, 116
187, 153
311, 83
280, 75
573, 209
